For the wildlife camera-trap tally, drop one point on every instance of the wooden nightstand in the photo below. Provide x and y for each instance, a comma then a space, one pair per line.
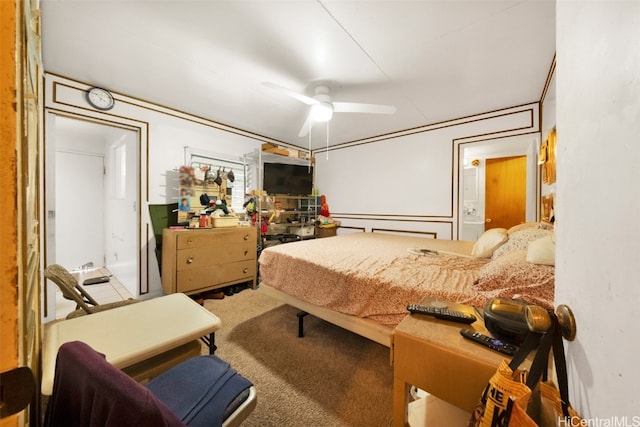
432, 355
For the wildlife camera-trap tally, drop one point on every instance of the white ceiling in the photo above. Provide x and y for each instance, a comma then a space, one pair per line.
433, 60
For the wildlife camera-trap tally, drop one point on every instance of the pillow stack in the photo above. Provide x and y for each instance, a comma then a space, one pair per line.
521, 235
523, 259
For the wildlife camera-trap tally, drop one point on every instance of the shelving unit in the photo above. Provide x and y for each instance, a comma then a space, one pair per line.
293, 214
299, 209
279, 209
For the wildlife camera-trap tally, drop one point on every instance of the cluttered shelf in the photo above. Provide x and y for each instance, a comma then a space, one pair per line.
302, 216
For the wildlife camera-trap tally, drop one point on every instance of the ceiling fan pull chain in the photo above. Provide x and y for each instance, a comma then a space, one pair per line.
327, 141
309, 154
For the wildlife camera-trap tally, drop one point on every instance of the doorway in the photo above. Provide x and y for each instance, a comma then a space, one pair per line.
92, 198
472, 201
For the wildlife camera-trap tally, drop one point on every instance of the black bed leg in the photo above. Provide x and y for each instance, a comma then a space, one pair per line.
301, 315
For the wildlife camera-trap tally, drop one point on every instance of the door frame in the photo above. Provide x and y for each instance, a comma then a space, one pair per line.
512, 145
142, 217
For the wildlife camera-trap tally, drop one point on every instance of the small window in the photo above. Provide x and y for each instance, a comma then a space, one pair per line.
231, 172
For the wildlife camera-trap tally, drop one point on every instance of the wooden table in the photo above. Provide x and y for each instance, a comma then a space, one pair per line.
432, 355
134, 334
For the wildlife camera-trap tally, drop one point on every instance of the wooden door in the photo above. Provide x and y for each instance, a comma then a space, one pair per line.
505, 192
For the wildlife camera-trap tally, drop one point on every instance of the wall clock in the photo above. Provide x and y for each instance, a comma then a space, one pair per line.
100, 98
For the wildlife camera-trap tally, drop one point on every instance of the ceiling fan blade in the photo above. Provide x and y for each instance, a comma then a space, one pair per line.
291, 93
356, 107
304, 131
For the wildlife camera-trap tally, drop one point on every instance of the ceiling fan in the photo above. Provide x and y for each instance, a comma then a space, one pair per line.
322, 108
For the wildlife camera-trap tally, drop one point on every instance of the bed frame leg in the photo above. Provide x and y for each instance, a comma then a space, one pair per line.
301, 315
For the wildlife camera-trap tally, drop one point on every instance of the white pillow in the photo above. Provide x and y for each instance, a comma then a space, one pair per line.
542, 251
488, 242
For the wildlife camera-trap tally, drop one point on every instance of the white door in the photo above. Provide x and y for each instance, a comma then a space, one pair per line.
122, 209
79, 210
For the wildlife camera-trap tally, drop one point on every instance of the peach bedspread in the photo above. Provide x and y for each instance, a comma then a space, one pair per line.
372, 275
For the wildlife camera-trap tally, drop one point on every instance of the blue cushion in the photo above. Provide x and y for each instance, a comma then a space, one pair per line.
199, 390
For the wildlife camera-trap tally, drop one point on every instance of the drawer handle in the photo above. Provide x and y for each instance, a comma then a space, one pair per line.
190, 260
189, 242
246, 237
245, 270
246, 252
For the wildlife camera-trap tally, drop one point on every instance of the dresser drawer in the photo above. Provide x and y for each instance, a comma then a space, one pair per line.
214, 255
195, 261
214, 238
216, 276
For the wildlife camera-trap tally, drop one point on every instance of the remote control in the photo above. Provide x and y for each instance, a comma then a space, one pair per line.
428, 251
96, 280
492, 343
442, 313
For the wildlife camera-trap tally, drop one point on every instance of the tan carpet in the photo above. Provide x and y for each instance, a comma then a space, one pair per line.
330, 377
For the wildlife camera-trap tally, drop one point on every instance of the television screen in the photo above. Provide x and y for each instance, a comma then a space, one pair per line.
282, 178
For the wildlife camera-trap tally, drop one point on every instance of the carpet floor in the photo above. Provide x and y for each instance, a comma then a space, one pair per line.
331, 377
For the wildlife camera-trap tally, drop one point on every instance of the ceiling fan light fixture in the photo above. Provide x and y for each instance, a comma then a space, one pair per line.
322, 108
321, 112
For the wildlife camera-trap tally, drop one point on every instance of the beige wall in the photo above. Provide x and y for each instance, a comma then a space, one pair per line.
408, 181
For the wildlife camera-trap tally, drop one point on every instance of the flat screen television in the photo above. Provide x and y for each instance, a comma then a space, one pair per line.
282, 178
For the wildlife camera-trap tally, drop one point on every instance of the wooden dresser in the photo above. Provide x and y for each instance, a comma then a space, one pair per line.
196, 260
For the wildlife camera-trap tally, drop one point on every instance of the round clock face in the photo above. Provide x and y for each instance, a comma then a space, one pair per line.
100, 98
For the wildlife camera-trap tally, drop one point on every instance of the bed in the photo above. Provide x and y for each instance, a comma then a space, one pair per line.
364, 281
